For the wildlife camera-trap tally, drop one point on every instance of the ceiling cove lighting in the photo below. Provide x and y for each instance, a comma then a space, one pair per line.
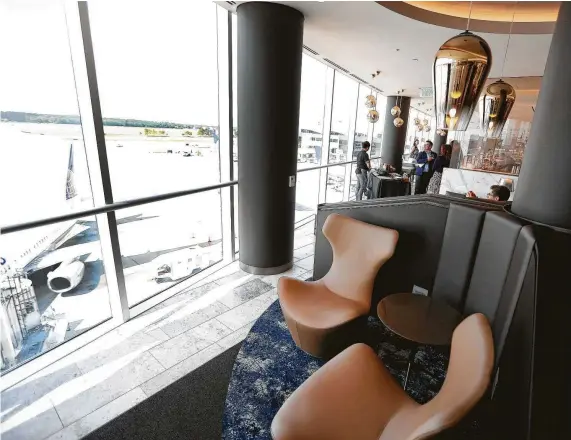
497, 102
460, 70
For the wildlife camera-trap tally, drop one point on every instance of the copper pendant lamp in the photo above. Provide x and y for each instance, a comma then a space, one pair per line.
460, 70
497, 102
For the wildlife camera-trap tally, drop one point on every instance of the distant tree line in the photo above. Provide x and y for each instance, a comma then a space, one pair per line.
39, 118
153, 132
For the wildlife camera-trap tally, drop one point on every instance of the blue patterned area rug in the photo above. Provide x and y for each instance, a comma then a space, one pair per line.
269, 367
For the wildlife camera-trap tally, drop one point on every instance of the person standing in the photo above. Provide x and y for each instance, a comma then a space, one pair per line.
425, 162
414, 152
362, 171
441, 162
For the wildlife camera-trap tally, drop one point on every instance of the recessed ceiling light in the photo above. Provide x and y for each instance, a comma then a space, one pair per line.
398, 50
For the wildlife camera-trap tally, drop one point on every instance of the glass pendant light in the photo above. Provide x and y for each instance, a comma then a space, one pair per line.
460, 70
373, 116
498, 101
370, 101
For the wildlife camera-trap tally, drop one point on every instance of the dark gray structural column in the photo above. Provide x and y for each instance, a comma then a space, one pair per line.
438, 141
270, 38
393, 137
543, 191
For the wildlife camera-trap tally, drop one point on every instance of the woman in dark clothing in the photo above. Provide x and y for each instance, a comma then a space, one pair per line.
414, 152
441, 162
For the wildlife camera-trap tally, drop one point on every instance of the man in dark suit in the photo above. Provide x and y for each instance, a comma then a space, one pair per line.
425, 161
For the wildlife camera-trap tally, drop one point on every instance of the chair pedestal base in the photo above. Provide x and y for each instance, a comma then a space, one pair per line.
327, 343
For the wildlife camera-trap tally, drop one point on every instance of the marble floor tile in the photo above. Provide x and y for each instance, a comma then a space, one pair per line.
99, 417
302, 241
237, 277
91, 391
190, 294
304, 252
245, 292
124, 346
249, 311
179, 370
189, 317
35, 388
35, 421
306, 263
294, 272
235, 337
174, 350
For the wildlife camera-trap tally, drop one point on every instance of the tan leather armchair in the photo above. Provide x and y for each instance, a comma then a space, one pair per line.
318, 313
354, 397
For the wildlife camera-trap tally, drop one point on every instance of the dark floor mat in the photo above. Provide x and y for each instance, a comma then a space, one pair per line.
191, 408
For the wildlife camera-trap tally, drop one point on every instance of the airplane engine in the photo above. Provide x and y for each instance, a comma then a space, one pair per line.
66, 277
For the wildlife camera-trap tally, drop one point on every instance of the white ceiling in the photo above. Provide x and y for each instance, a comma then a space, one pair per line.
364, 37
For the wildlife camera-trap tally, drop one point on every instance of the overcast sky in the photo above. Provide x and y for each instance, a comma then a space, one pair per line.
157, 63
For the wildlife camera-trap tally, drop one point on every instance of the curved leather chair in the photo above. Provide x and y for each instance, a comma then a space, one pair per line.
318, 312
354, 396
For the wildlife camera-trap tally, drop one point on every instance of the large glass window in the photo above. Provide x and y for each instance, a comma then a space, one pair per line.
345, 93
345, 96
166, 242
158, 85
311, 112
378, 129
363, 132
52, 282
310, 140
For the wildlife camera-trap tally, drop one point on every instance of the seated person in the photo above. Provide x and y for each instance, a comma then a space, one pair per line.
498, 193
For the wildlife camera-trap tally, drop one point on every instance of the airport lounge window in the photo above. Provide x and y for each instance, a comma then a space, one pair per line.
345, 94
310, 138
363, 132
52, 281
158, 86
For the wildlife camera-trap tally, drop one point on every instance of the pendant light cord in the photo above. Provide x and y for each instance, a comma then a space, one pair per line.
469, 16
509, 38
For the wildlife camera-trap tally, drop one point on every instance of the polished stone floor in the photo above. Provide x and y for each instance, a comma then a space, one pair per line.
105, 378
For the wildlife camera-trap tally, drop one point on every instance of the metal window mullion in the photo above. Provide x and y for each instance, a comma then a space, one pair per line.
224, 51
81, 46
329, 92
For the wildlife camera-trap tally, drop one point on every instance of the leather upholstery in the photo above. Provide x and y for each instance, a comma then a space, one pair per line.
421, 221
355, 397
518, 269
493, 259
313, 310
459, 246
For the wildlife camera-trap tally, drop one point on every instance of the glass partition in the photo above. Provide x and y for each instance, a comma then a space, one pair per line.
335, 189
307, 194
